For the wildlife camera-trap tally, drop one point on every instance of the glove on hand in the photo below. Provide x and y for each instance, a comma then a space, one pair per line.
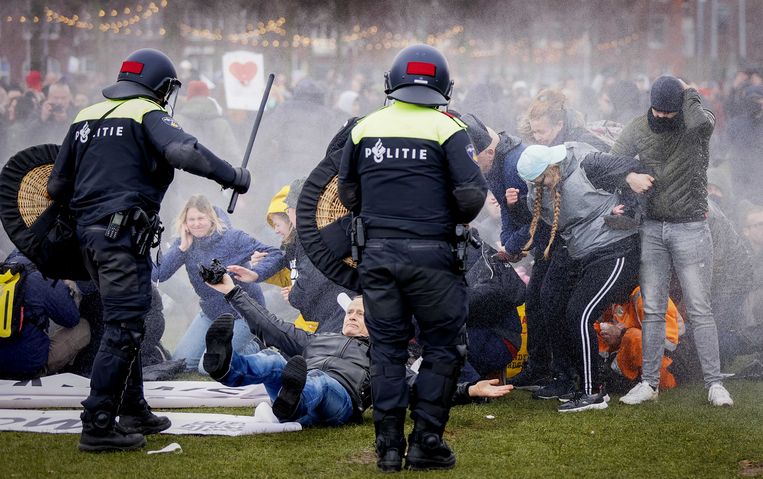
241, 181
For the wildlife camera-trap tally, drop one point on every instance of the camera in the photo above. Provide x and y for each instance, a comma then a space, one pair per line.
212, 274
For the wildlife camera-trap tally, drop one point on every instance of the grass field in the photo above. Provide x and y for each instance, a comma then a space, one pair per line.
680, 436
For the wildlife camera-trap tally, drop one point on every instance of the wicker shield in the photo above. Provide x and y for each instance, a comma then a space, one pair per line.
323, 226
35, 223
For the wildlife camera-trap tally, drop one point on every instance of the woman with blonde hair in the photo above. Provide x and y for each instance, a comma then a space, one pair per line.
203, 235
573, 187
550, 121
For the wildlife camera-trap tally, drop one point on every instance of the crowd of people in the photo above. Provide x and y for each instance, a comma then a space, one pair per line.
632, 206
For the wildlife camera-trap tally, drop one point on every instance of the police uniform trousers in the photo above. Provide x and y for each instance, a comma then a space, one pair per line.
402, 279
124, 282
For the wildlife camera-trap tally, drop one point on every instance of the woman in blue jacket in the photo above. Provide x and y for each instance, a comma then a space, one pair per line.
204, 236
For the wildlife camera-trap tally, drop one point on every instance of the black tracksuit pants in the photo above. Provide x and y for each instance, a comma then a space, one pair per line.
598, 281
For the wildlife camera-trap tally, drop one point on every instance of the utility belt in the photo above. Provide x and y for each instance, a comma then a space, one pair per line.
145, 228
459, 241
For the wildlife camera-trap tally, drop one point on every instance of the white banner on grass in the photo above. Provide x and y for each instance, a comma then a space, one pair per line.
68, 422
68, 390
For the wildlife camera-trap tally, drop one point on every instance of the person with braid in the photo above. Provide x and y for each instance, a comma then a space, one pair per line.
548, 121
573, 187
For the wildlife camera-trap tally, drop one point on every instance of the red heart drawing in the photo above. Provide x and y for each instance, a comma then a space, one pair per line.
244, 72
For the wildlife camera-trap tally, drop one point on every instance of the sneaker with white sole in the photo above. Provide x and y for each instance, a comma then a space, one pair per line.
719, 396
585, 402
641, 392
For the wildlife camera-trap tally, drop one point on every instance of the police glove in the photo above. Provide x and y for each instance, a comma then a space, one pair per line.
241, 181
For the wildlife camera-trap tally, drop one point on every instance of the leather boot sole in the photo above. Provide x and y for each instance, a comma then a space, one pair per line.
293, 379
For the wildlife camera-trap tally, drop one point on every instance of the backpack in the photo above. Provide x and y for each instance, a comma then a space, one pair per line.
12, 278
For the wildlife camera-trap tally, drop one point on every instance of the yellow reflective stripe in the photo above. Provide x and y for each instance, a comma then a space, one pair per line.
133, 109
8, 281
403, 120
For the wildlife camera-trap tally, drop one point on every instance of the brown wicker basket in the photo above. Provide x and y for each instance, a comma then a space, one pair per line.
33, 193
330, 208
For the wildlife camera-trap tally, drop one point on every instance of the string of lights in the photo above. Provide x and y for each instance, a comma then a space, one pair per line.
126, 20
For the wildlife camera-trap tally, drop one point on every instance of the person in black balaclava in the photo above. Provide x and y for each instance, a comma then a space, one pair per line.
672, 141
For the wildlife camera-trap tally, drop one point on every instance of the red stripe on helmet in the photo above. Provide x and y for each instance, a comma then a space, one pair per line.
421, 68
132, 67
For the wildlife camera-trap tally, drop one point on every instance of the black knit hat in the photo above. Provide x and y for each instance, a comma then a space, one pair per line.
477, 132
667, 94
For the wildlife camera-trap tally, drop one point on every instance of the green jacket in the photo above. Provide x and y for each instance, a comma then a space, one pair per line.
677, 160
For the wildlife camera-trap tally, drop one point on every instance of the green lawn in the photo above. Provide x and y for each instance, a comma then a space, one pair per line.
680, 436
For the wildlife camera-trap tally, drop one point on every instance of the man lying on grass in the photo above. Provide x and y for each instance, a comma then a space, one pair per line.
325, 382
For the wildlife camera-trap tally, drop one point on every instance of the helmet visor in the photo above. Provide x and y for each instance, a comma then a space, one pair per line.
172, 96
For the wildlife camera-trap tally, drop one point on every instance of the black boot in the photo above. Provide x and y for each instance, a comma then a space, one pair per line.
138, 418
101, 433
428, 450
390, 443
219, 346
293, 378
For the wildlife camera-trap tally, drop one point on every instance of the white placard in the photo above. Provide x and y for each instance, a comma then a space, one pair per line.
244, 78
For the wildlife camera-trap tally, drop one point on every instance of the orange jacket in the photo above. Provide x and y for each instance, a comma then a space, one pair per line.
629, 354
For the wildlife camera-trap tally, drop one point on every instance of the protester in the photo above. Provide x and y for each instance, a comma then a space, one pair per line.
202, 237
671, 141
573, 187
326, 380
43, 348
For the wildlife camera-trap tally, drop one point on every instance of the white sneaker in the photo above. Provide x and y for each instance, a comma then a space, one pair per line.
719, 396
641, 392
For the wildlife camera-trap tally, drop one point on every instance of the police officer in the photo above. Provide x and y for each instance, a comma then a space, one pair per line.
408, 170
113, 169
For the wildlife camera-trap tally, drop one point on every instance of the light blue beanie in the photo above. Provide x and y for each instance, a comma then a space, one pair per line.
536, 158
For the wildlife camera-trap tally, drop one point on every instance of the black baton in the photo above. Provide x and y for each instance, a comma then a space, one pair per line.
265, 94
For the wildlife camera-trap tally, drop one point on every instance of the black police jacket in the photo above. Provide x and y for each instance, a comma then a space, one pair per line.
342, 357
410, 171
122, 153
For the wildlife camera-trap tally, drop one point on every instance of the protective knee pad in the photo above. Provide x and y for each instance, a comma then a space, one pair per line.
433, 391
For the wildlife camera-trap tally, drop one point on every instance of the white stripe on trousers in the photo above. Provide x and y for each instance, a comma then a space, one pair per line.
587, 375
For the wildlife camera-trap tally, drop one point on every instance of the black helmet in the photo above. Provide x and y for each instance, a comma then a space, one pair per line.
419, 75
145, 73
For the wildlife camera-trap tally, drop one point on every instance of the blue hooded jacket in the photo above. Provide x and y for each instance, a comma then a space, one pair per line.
231, 247
43, 300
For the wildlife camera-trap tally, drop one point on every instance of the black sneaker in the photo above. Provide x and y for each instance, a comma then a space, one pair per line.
559, 387
529, 379
585, 402
100, 434
219, 348
428, 451
293, 378
144, 423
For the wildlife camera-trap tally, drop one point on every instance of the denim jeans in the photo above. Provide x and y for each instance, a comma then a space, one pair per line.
689, 248
192, 345
324, 401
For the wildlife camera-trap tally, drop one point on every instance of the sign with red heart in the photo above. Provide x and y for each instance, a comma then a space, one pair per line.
243, 72
244, 79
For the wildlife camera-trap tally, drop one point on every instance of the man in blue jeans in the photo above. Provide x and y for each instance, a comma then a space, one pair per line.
672, 142
325, 382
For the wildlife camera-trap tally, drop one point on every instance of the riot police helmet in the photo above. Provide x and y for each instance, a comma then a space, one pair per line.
419, 75
146, 73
